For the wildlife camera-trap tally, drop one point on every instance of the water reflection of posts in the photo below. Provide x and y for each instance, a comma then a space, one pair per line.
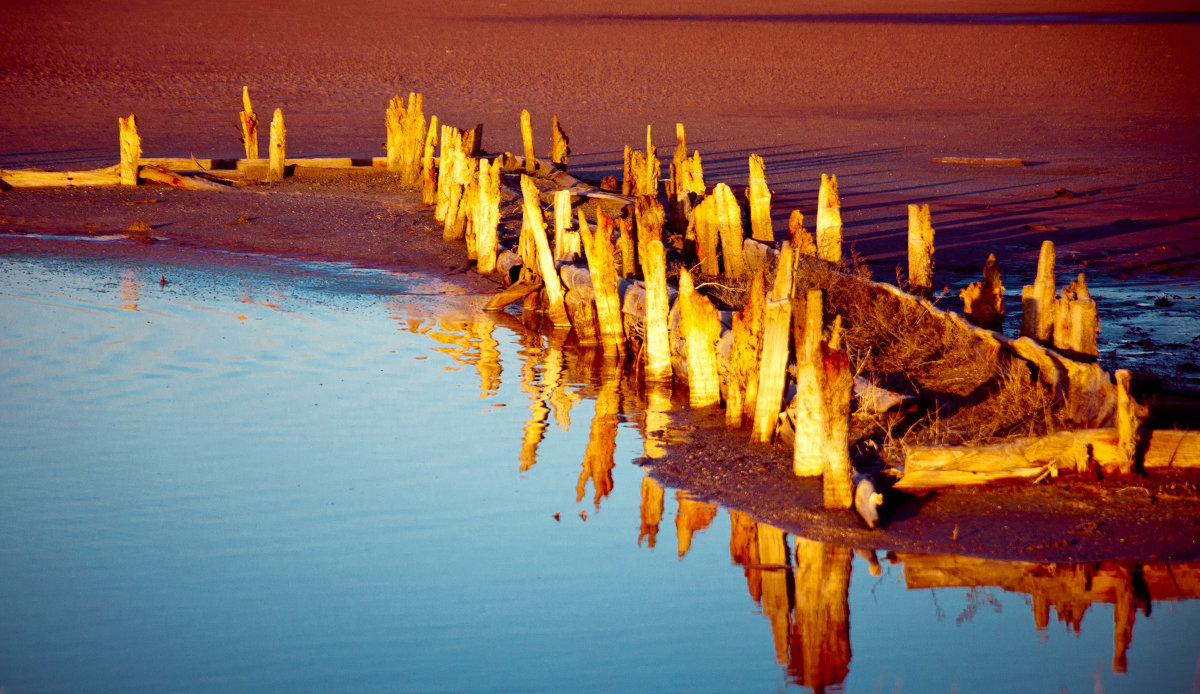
602, 439
130, 288
692, 517
820, 648
657, 419
535, 426
652, 511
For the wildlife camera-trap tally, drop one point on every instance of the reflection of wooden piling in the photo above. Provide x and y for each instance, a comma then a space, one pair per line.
777, 327
658, 350
535, 427
487, 215
821, 628
920, 251
527, 142
741, 392
602, 438
249, 122
829, 221
692, 517
776, 597
983, 302
131, 150
700, 324
1075, 322
545, 260
651, 511
759, 196
560, 146
599, 251
1038, 300
278, 153
657, 419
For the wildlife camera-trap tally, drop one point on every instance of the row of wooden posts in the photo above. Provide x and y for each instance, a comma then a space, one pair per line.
684, 338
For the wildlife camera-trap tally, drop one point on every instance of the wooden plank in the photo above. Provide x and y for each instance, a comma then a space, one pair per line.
27, 178
981, 161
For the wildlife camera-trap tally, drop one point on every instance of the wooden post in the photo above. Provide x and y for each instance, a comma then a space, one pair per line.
1038, 301
759, 196
487, 215
808, 459
777, 328
649, 216
658, 349
451, 141
599, 250
566, 241
653, 169
131, 150
729, 215
707, 237
920, 251
1075, 323
249, 121
277, 169
412, 141
798, 237
983, 302
428, 172
560, 146
394, 129
837, 384
829, 221
545, 260
456, 173
1127, 425
527, 141
628, 245
741, 392
627, 172
700, 325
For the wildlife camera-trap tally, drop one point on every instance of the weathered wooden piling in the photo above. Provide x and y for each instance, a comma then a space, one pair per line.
798, 237
406, 138
657, 344
566, 240
545, 259
458, 172
627, 242
1075, 321
708, 234
1038, 309
451, 143
649, 217
428, 170
249, 122
729, 223
759, 196
808, 459
777, 328
527, 141
920, 251
741, 390
487, 215
599, 251
277, 167
394, 133
131, 150
837, 382
983, 302
560, 147
1127, 424
829, 221
700, 325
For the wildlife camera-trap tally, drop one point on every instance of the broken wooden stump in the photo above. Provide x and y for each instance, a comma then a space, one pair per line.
545, 260
700, 325
649, 217
277, 167
458, 171
249, 122
405, 144
777, 329
657, 343
729, 224
798, 238
808, 459
566, 241
527, 142
759, 196
741, 391
708, 236
451, 152
983, 302
131, 150
1075, 321
560, 146
1127, 423
627, 242
599, 251
920, 251
829, 221
428, 171
1038, 309
487, 216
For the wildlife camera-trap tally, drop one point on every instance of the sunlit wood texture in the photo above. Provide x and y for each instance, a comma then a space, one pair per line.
566, 239
1038, 300
276, 168
798, 237
108, 176
1075, 323
651, 511
560, 147
451, 142
920, 251
777, 328
458, 172
700, 325
808, 459
1127, 424
602, 437
688, 184
527, 141
413, 141
599, 251
657, 348
759, 196
627, 171
741, 391
837, 385
131, 150
983, 302
692, 517
545, 259
581, 303
249, 122
428, 169
829, 221
729, 223
487, 215
820, 644
708, 235
394, 133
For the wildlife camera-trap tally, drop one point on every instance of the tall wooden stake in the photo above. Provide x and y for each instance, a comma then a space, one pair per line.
487, 216
545, 259
759, 196
276, 169
428, 171
527, 141
1127, 425
741, 393
249, 121
829, 221
560, 146
808, 459
599, 250
566, 240
1038, 300
131, 150
658, 350
394, 132
920, 251
777, 328
700, 324
628, 245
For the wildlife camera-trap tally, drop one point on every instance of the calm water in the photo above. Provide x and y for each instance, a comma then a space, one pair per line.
314, 478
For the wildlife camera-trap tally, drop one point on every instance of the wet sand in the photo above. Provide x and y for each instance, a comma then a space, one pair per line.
1102, 103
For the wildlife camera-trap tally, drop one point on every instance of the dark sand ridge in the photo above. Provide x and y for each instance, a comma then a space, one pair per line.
1106, 110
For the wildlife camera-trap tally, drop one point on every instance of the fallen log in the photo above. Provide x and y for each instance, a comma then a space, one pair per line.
982, 161
30, 178
156, 174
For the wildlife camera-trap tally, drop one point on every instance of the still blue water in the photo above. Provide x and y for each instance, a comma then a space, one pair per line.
315, 478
